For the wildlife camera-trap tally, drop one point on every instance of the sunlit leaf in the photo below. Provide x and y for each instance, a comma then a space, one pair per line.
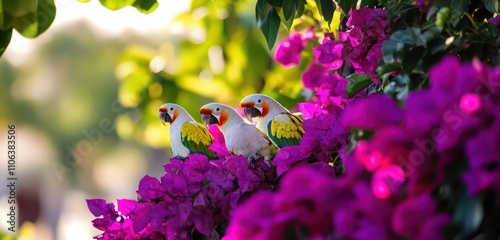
5, 37
270, 27
146, 6
357, 82
33, 24
20, 8
116, 4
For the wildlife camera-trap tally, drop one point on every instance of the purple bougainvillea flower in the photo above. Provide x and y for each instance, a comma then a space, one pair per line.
329, 54
288, 157
289, 50
421, 209
360, 45
324, 135
355, 114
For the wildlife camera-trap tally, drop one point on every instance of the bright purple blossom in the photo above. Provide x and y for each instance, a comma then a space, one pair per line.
195, 196
360, 45
427, 135
289, 50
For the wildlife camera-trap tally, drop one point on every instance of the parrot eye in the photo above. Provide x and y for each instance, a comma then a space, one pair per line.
217, 109
171, 109
259, 101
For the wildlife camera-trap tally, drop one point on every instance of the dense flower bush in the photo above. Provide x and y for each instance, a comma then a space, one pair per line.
401, 141
195, 196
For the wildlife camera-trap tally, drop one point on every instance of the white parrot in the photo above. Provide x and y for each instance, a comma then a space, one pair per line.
186, 135
283, 127
241, 138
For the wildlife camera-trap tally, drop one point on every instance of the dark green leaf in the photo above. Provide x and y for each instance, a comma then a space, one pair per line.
290, 8
458, 7
270, 26
260, 7
300, 9
288, 23
398, 87
5, 37
346, 5
399, 41
412, 59
276, 3
326, 8
1, 14
146, 6
34, 24
469, 214
116, 4
389, 67
357, 82
369, 3
442, 3
491, 5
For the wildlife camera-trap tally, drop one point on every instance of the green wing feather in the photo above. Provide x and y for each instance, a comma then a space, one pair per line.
285, 130
196, 138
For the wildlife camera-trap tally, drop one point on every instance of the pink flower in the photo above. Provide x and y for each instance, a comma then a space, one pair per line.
289, 50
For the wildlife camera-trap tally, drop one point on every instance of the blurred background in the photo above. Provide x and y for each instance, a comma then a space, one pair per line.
84, 97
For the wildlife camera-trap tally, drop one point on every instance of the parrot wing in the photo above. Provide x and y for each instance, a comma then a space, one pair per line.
196, 138
285, 129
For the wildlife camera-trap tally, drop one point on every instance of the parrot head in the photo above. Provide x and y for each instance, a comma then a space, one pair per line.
215, 113
255, 105
169, 112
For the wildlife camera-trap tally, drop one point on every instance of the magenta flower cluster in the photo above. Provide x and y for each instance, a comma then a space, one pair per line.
194, 197
398, 173
386, 191
458, 115
359, 46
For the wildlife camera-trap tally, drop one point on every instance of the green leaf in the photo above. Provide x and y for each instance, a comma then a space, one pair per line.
261, 6
300, 9
469, 214
399, 41
146, 6
369, 3
260, 11
34, 24
276, 3
389, 67
1, 14
19, 8
357, 82
459, 7
116, 4
5, 37
326, 8
289, 9
491, 5
270, 26
346, 5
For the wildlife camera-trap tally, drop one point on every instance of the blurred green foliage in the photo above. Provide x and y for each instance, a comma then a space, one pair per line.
33, 17
64, 89
219, 55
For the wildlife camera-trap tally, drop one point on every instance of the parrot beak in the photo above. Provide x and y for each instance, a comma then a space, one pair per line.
165, 117
251, 112
208, 119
